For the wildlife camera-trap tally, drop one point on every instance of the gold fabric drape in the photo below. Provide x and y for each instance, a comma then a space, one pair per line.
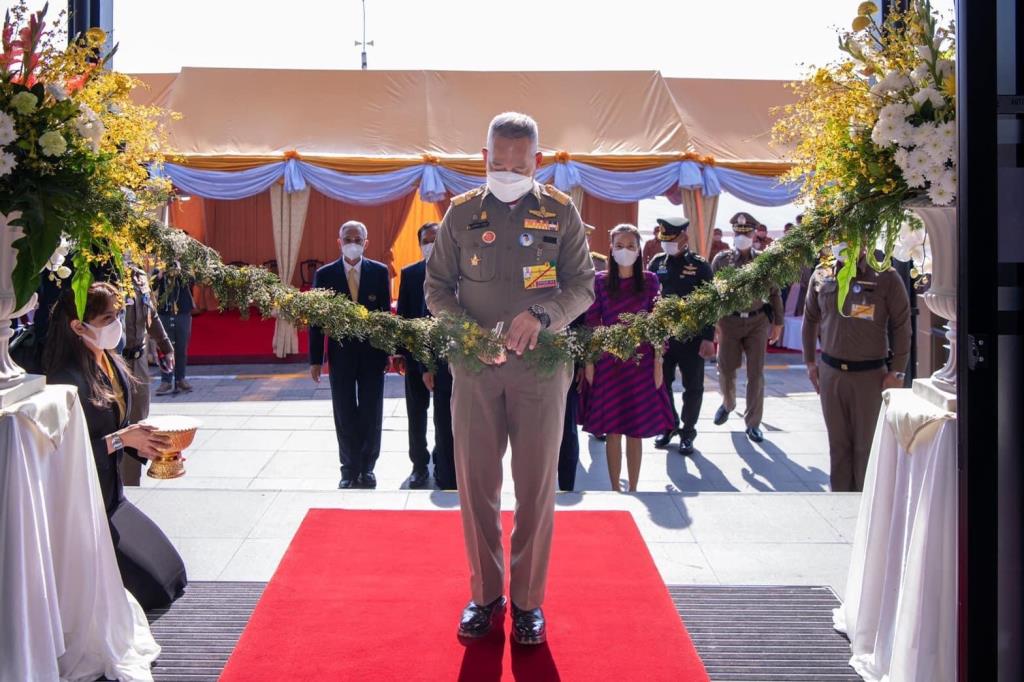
288, 215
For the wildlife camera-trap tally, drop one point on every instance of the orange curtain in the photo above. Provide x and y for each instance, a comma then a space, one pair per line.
604, 215
406, 249
325, 215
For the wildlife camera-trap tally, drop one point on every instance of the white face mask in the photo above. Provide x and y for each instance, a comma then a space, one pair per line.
105, 338
671, 248
352, 251
508, 186
426, 250
625, 257
837, 250
742, 242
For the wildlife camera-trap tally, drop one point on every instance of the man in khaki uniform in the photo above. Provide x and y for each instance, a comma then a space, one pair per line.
864, 351
746, 333
140, 323
513, 252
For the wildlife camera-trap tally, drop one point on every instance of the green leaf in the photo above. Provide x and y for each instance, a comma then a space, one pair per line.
81, 281
845, 276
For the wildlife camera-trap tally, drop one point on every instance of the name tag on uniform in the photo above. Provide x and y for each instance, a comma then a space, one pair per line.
534, 224
542, 276
862, 311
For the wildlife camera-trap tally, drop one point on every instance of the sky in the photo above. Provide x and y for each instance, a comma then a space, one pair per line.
696, 38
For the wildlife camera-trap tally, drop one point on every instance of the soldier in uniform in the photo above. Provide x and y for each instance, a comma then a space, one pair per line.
864, 351
513, 252
746, 333
680, 272
141, 322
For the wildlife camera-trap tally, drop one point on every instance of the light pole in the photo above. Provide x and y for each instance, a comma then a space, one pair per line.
362, 43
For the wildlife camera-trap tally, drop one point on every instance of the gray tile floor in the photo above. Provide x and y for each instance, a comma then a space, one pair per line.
735, 513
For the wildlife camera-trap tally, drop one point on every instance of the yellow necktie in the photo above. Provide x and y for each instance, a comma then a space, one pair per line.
353, 284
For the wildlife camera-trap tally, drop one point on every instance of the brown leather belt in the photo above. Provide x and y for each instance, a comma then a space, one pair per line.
851, 365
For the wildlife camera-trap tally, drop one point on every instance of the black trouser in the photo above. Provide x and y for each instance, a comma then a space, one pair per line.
686, 356
179, 329
569, 453
417, 400
357, 394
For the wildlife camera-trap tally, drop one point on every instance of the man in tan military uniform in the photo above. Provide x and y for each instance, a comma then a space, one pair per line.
864, 351
745, 333
512, 252
141, 322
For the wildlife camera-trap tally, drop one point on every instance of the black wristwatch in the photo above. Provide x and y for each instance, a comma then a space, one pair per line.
539, 312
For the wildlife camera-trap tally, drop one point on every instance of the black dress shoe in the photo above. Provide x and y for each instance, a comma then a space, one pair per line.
367, 480
419, 478
664, 439
347, 483
686, 447
478, 620
721, 416
755, 434
528, 626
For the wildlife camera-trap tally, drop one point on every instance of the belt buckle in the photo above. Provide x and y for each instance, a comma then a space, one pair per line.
744, 316
845, 367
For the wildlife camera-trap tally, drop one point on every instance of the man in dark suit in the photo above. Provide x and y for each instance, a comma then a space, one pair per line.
356, 368
420, 382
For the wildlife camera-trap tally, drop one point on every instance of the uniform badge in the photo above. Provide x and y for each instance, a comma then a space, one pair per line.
488, 237
542, 213
526, 239
662, 270
857, 288
862, 312
543, 276
475, 260
532, 224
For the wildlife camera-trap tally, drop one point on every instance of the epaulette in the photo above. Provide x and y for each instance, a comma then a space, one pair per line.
598, 256
558, 195
699, 258
466, 196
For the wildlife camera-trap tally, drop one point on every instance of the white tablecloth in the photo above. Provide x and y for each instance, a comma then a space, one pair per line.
65, 612
793, 332
901, 598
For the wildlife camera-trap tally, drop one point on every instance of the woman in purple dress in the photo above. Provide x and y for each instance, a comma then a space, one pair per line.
625, 398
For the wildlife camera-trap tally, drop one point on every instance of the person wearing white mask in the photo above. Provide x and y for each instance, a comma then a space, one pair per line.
80, 352
625, 397
356, 369
420, 382
681, 271
746, 333
509, 255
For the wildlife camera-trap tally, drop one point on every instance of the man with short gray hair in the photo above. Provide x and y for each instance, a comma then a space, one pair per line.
511, 253
356, 369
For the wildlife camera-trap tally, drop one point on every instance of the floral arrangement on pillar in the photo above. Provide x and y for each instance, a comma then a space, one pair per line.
74, 152
875, 136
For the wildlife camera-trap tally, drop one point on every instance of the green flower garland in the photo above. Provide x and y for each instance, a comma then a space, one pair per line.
461, 340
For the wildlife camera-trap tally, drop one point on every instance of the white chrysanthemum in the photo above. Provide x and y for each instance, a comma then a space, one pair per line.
897, 111
7, 163
884, 132
901, 157
947, 131
904, 134
53, 143
937, 148
7, 132
942, 189
24, 102
928, 95
918, 161
56, 91
920, 74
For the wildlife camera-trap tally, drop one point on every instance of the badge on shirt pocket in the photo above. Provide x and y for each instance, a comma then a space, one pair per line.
542, 276
863, 311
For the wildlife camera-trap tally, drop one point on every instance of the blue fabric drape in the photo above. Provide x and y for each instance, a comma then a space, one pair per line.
756, 189
436, 181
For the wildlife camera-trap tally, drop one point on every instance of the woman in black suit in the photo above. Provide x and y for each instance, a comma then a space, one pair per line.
78, 352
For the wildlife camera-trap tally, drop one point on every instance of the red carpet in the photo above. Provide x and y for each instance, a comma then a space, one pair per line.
221, 338
376, 595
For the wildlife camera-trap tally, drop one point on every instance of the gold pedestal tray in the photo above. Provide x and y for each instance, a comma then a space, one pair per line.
180, 431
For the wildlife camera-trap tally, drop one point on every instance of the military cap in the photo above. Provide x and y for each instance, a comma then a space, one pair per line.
671, 228
743, 223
